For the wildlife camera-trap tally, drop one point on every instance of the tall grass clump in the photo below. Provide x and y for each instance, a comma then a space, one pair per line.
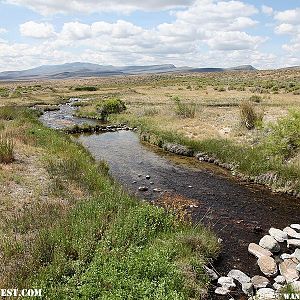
250, 117
184, 110
6, 149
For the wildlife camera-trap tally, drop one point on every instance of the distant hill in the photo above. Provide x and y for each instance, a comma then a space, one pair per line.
78, 69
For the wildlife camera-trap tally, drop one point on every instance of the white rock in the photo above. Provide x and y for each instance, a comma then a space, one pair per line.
292, 232
277, 286
268, 242
258, 251
278, 235
226, 282
288, 270
247, 288
296, 254
265, 294
222, 291
239, 276
259, 282
293, 243
298, 267
285, 256
295, 226
296, 286
267, 265
280, 279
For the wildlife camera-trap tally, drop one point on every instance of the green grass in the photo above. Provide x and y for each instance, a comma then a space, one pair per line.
6, 149
270, 154
109, 245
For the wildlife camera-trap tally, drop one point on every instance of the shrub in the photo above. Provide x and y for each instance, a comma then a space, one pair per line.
184, 110
86, 88
8, 113
284, 139
6, 149
110, 106
255, 98
249, 116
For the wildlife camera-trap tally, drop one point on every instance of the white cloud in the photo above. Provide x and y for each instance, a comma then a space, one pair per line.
288, 23
267, 10
37, 30
3, 30
47, 7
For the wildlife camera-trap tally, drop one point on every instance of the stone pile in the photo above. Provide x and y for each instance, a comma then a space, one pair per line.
278, 268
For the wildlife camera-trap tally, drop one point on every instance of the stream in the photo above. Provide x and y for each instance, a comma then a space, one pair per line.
238, 213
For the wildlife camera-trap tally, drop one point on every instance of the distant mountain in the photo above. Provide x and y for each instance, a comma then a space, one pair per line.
78, 69
296, 68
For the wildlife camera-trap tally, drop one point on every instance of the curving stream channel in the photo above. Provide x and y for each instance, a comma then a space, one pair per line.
239, 213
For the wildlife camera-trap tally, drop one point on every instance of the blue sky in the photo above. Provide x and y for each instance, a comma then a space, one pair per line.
202, 33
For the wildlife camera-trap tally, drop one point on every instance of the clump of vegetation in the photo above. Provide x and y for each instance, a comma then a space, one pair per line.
284, 139
110, 106
6, 149
8, 112
184, 110
86, 88
150, 112
255, 98
250, 117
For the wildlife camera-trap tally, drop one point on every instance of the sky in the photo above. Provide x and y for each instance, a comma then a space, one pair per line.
196, 33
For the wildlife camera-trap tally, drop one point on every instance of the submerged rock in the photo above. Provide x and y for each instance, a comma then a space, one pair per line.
267, 265
278, 235
268, 242
259, 281
143, 188
239, 276
258, 251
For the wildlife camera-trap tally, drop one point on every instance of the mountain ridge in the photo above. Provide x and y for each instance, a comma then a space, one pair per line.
81, 69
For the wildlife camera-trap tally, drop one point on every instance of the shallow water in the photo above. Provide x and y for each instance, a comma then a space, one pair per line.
238, 213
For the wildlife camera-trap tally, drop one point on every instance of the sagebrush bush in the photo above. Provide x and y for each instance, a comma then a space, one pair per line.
184, 110
110, 106
86, 88
6, 149
250, 117
255, 98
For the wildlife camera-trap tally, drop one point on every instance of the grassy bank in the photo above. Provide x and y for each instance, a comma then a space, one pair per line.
276, 151
92, 241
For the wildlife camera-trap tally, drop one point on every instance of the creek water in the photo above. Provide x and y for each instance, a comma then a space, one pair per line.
238, 213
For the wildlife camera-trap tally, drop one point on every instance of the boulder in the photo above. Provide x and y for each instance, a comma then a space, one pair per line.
279, 279
293, 243
288, 270
226, 282
295, 226
265, 294
267, 265
143, 189
268, 242
258, 251
239, 276
292, 233
259, 282
247, 288
222, 291
278, 235
298, 267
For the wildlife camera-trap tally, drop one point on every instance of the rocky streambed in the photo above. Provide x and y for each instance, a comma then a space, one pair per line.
239, 212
